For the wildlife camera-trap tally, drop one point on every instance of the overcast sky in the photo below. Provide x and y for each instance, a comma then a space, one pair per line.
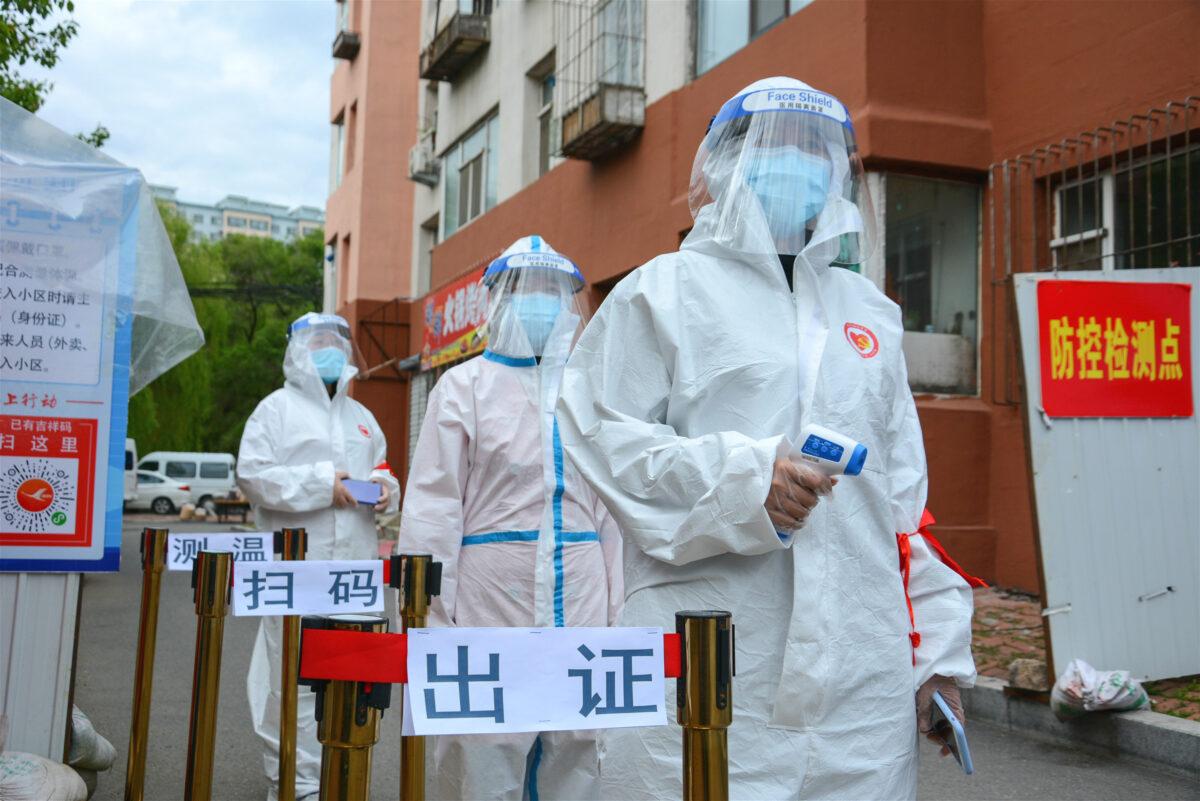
215, 98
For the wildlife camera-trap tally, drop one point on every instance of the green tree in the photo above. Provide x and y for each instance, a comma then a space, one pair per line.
28, 34
246, 290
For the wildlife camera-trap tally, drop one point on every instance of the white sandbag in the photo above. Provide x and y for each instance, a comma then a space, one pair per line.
89, 749
1081, 689
29, 777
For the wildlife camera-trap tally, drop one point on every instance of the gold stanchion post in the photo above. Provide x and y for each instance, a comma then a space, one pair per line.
704, 698
210, 578
293, 543
154, 561
419, 579
348, 714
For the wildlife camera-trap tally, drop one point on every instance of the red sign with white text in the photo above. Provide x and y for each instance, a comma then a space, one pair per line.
1115, 349
47, 480
453, 316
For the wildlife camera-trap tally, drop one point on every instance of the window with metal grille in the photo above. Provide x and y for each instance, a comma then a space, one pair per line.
1121, 196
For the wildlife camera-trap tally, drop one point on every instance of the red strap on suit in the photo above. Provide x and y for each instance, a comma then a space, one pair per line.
904, 546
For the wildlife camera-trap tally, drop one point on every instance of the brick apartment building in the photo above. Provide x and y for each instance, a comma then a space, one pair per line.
999, 136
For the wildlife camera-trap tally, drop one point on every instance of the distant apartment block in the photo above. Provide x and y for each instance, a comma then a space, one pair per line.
235, 214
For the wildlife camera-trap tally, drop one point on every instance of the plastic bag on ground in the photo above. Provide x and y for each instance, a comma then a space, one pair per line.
89, 749
29, 777
1081, 688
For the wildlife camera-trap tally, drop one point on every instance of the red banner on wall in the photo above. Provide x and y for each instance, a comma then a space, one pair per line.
453, 317
1115, 349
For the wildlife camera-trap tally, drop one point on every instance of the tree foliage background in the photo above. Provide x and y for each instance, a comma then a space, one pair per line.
34, 31
246, 291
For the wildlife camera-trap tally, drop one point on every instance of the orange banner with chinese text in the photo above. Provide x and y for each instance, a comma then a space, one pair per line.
1115, 349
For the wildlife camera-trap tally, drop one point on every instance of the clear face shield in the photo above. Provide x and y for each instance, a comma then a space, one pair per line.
779, 173
535, 309
321, 345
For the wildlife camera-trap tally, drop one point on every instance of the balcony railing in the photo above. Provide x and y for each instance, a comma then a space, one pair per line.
603, 122
455, 45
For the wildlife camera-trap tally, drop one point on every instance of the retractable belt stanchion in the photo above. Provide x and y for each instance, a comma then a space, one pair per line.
704, 698
154, 561
292, 544
210, 578
419, 579
348, 714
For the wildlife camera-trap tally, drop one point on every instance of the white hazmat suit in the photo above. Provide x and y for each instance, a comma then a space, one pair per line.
699, 370
294, 445
523, 541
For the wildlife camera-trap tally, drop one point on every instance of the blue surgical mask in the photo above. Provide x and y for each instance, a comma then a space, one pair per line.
329, 363
791, 185
537, 312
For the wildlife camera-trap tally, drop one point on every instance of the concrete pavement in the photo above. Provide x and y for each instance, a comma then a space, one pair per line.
1009, 766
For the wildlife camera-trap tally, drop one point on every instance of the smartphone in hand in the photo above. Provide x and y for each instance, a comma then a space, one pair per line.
367, 493
949, 729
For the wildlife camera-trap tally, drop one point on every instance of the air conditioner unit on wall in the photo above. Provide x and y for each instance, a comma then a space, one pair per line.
423, 165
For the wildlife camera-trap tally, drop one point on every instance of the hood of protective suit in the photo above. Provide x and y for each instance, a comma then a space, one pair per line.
312, 339
779, 173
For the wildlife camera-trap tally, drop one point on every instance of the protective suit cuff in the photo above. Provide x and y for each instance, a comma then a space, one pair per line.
324, 475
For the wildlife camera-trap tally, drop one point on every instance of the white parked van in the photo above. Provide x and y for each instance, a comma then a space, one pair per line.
130, 470
209, 475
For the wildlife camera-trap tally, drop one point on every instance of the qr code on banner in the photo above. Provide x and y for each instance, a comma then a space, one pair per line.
46, 482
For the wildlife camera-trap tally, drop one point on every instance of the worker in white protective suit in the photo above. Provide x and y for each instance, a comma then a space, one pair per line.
681, 406
523, 541
297, 446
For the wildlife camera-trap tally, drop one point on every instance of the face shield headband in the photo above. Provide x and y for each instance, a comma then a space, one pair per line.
778, 172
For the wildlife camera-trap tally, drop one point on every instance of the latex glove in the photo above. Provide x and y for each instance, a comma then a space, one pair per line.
384, 495
925, 705
342, 498
795, 490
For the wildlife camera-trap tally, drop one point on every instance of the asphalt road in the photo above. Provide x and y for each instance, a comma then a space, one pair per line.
1009, 766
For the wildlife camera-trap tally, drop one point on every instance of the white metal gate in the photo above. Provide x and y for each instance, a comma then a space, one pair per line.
1118, 514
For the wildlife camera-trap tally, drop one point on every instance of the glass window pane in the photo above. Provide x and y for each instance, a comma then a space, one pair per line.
214, 470
1144, 240
1079, 208
464, 195
544, 146
181, 469
491, 161
932, 263
473, 145
548, 89
151, 466
722, 28
450, 187
765, 13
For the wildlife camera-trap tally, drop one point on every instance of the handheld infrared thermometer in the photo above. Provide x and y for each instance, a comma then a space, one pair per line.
832, 453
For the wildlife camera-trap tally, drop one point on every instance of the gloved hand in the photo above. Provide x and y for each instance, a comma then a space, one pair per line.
795, 490
342, 497
385, 495
949, 690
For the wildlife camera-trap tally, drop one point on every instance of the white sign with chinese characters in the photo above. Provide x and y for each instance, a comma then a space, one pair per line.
307, 588
254, 546
68, 255
497, 680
